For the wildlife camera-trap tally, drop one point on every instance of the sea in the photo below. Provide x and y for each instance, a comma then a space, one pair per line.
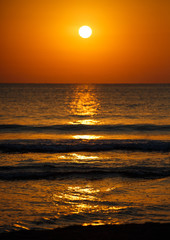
74, 154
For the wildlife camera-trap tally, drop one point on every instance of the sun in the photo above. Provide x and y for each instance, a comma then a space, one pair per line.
85, 31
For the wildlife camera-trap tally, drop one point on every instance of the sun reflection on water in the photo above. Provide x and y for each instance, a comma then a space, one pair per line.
84, 101
85, 122
79, 158
85, 200
84, 106
86, 137
84, 157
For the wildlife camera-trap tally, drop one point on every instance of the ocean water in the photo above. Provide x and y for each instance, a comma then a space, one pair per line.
83, 154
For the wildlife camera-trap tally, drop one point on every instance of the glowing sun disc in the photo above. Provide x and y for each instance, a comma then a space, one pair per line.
85, 32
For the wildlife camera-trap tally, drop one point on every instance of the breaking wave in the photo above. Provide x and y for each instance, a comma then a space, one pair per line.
76, 145
50, 171
82, 127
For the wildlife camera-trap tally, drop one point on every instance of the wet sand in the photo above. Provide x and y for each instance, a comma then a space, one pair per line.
146, 231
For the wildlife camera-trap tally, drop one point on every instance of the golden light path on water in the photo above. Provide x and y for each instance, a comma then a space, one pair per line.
86, 137
79, 198
84, 199
85, 122
84, 104
78, 158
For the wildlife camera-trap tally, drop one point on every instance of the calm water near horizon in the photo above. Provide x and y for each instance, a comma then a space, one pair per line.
83, 154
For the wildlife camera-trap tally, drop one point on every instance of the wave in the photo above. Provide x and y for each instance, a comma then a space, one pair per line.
75, 145
82, 127
49, 171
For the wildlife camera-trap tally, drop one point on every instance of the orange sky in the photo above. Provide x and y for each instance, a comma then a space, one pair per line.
40, 42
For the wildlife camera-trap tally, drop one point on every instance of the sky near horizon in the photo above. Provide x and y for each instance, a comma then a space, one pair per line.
40, 41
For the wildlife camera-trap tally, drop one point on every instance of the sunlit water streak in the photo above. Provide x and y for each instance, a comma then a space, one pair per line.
83, 154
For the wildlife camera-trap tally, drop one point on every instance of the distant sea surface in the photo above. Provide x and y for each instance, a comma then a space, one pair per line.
83, 154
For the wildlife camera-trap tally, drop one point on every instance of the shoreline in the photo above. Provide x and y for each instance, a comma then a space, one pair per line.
146, 231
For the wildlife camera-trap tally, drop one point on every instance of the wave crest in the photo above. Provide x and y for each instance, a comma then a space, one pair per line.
82, 127
48, 171
75, 145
